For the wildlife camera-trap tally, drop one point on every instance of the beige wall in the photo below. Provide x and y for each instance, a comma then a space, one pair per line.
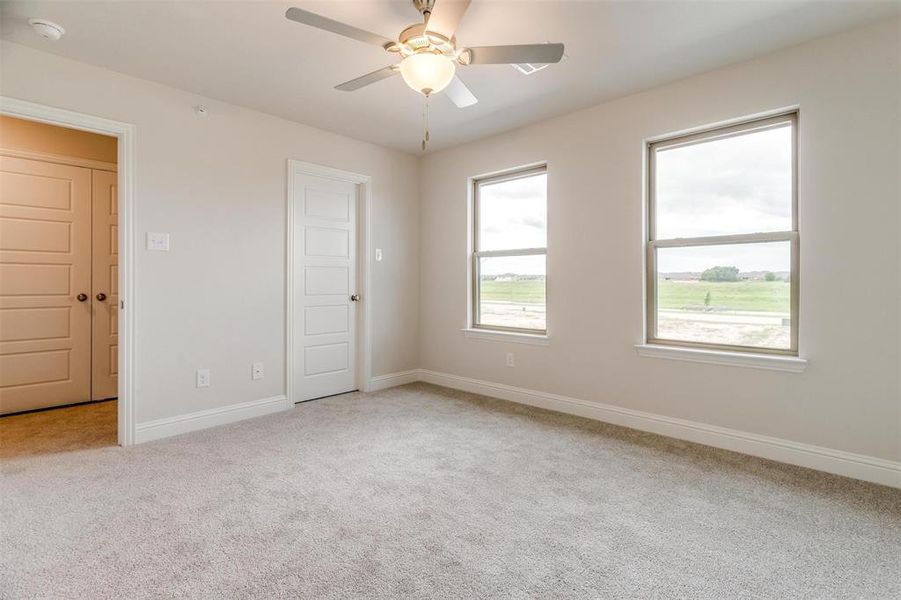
19, 134
217, 185
847, 87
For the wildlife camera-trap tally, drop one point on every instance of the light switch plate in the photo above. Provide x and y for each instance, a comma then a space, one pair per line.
378, 255
256, 371
158, 241
203, 378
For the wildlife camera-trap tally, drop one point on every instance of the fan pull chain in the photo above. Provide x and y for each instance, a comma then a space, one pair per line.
425, 119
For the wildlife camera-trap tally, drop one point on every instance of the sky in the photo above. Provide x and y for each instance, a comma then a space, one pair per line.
770, 256
513, 214
734, 185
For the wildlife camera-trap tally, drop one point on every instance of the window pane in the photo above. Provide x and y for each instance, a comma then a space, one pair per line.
513, 214
737, 294
512, 291
734, 185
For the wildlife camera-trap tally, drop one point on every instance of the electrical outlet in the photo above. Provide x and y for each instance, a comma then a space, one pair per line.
378, 255
511, 360
256, 371
203, 378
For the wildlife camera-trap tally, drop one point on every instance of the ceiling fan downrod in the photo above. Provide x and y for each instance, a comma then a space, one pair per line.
424, 7
425, 124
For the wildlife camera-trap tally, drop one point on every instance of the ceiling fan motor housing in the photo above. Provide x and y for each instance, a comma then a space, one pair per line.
415, 39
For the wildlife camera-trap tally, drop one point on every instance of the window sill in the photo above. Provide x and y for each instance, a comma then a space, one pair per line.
507, 336
790, 364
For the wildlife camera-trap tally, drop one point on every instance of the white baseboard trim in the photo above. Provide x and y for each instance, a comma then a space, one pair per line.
162, 428
382, 382
848, 464
838, 462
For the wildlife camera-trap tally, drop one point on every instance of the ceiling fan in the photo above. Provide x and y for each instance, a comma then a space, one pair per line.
428, 50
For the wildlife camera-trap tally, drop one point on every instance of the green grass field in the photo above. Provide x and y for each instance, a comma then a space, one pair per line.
530, 291
762, 296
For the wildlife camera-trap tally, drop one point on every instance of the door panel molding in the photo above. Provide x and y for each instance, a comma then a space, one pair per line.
319, 208
125, 134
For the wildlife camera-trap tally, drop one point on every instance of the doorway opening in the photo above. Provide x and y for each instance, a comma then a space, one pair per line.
60, 275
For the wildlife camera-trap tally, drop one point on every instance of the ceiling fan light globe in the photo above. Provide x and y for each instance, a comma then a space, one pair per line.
427, 73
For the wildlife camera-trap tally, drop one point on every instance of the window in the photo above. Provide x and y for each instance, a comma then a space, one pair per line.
510, 251
723, 238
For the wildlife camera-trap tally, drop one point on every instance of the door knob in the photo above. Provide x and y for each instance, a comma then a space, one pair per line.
355, 297
101, 296
82, 297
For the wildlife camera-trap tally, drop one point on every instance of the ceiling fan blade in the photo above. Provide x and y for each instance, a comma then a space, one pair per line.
355, 84
320, 22
445, 16
459, 94
509, 55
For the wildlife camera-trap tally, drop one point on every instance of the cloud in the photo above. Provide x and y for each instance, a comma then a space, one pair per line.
513, 214
734, 185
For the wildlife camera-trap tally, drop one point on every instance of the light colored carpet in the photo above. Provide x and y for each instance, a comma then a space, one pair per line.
91, 425
428, 493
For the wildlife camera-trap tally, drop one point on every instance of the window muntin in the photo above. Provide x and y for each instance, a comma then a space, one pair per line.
723, 239
510, 251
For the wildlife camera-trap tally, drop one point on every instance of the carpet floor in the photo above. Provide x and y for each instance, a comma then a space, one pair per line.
423, 492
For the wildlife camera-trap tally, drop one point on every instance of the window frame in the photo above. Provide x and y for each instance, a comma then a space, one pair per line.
792, 236
476, 254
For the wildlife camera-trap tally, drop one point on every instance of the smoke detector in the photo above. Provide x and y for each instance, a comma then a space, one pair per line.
47, 29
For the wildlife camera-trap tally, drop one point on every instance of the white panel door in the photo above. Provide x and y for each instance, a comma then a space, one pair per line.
105, 287
45, 282
325, 280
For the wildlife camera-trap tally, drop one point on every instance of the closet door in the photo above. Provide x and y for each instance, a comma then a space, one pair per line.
45, 282
105, 290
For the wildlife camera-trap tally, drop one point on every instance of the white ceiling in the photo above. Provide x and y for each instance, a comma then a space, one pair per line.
247, 53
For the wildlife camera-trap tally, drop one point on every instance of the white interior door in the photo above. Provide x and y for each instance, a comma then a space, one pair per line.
325, 280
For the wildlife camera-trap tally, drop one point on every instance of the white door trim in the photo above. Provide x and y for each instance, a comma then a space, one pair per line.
364, 338
125, 133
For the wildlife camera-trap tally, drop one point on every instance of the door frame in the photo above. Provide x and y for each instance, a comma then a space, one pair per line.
363, 350
125, 135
